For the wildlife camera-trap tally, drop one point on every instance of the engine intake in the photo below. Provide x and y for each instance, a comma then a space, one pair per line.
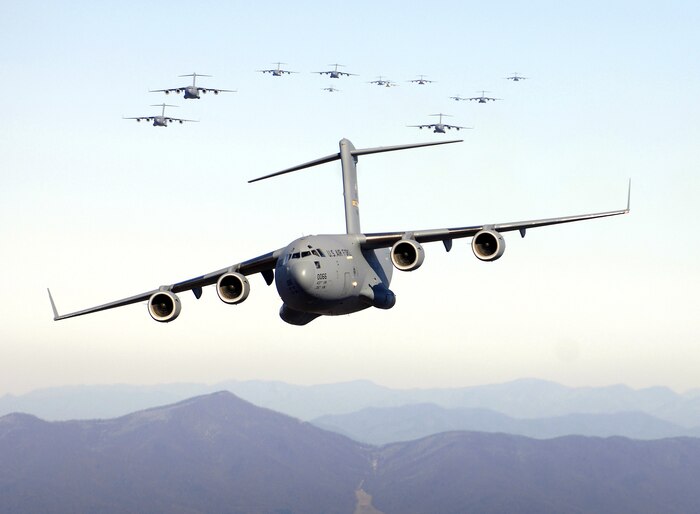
164, 306
232, 288
488, 245
407, 255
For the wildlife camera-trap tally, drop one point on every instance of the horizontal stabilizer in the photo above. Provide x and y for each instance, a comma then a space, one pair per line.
354, 153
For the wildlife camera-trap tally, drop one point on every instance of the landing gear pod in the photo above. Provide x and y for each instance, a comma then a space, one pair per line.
164, 306
232, 288
488, 245
407, 255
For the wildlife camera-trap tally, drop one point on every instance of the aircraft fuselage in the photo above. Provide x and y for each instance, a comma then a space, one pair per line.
191, 92
331, 275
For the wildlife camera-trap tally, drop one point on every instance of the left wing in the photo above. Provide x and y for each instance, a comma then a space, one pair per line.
215, 91
264, 264
446, 235
181, 120
457, 127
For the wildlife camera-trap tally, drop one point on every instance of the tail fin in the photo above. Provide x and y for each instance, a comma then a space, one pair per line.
348, 155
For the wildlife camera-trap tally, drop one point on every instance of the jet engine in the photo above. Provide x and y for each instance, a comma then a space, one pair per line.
164, 306
407, 255
216, 91
232, 288
488, 245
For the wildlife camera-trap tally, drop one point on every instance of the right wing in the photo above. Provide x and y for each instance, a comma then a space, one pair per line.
264, 264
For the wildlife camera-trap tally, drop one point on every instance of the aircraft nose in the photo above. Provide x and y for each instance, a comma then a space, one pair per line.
303, 273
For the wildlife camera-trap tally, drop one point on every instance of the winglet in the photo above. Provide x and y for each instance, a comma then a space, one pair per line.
53, 306
629, 194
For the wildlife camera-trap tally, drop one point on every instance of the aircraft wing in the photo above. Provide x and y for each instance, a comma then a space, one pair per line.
421, 126
446, 235
457, 127
170, 120
264, 264
144, 118
215, 90
167, 91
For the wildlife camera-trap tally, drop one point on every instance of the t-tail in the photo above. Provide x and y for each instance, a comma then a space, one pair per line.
194, 76
348, 159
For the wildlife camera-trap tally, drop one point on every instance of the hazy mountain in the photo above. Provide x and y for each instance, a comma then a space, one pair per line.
460, 472
386, 425
527, 398
218, 453
214, 453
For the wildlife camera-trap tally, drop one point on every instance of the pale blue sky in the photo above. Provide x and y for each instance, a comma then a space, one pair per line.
99, 208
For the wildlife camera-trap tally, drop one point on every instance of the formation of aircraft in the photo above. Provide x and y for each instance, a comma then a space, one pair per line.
421, 80
193, 91
333, 274
515, 77
335, 73
439, 127
277, 72
381, 81
160, 120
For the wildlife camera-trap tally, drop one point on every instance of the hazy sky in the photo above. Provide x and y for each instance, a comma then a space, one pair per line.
99, 208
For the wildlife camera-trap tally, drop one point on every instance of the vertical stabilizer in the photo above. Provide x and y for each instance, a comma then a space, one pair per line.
352, 201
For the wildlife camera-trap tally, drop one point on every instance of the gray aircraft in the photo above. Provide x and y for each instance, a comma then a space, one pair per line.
421, 80
334, 274
439, 127
193, 91
482, 99
162, 120
277, 72
381, 81
330, 89
336, 73
515, 77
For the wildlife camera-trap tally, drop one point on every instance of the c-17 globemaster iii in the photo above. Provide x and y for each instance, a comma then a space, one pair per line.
334, 274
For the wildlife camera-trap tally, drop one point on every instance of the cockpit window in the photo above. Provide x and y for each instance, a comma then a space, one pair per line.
305, 254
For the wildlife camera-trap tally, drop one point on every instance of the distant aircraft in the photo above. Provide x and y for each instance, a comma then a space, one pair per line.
335, 73
331, 89
334, 274
381, 81
421, 80
515, 77
193, 91
482, 99
439, 127
162, 120
277, 72
458, 98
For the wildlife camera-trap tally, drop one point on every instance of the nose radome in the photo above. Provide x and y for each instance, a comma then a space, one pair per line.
303, 272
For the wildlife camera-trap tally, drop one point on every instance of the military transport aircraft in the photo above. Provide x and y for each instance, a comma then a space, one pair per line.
421, 80
334, 274
482, 99
515, 77
439, 127
277, 72
162, 120
381, 81
335, 73
330, 89
192, 91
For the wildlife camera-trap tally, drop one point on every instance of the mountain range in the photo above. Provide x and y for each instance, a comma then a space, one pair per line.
534, 408
219, 453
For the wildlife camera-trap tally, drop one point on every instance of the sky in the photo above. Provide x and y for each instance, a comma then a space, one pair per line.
99, 208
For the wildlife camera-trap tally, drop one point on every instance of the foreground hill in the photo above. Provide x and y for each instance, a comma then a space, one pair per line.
218, 453
214, 453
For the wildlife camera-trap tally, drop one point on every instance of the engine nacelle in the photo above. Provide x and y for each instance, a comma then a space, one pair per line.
232, 288
488, 245
164, 306
407, 255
